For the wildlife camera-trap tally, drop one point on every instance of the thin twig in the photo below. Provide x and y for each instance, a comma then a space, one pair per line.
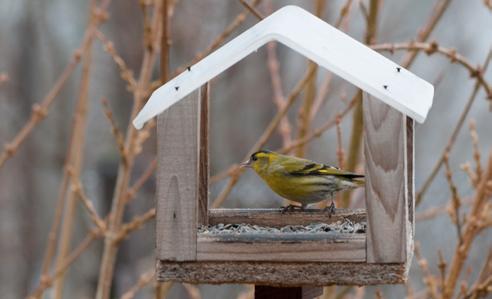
118, 136
252, 10
146, 175
475, 72
484, 281
318, 132
87, 203
455, 199
442, 268
424, 33
304, 113
40, 110
48, 280
340, 152
303, 117
121, 189
238, 20
142, 281
125, 73
319, 100
284, 127
193, 291
428, 278
136, 223
476, 150
263, 138
471, 230
76, 155
452, 138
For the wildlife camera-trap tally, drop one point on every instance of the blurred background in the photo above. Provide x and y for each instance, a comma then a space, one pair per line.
37, 43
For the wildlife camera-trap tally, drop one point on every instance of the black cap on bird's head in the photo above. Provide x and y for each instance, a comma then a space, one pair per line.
254, 157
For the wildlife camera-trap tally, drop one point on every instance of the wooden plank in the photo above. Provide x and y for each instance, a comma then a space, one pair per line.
203, 158
177, 181
328, 247
267, 292
275, 217
281, 274
386, 182
410, 129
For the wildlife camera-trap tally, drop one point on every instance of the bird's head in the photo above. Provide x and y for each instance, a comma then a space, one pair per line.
260, 160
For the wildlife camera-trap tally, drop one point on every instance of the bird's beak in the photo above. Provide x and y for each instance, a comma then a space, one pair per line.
245, 164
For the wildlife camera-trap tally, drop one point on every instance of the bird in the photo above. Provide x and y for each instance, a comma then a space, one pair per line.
301, 180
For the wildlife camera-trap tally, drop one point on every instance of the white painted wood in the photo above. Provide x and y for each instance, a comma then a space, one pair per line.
318, 41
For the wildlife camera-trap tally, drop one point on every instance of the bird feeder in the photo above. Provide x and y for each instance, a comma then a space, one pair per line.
393, 98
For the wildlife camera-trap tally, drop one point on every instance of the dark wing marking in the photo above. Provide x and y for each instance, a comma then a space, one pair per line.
335, 171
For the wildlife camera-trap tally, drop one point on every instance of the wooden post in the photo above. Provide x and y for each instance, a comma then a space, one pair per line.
385, 149
410, 171
203, 172
177, 181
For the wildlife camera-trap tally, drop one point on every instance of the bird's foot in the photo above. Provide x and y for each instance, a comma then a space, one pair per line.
291, 208
330, 209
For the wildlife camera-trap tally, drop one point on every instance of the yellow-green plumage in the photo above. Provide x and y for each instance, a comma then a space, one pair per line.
301, 180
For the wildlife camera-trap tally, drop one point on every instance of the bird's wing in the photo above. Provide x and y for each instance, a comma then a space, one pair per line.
303, 167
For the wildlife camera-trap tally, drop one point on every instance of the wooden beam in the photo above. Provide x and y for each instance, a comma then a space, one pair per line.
275, 217
177, 182
385, 149
281, 274
203, 158
327, 247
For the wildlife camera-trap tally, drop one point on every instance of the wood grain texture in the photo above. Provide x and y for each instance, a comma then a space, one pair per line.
177, 183
275, 217
386, 182
330, 247
410, 129
280, 273
203, 155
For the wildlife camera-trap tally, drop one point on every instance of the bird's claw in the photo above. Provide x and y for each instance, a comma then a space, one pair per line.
330, 209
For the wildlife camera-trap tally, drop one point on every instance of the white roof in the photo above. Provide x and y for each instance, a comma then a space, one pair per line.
318, 41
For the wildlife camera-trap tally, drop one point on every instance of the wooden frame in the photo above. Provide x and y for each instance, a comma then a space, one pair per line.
381, 255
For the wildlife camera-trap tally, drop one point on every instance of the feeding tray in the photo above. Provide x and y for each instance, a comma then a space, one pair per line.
200, 245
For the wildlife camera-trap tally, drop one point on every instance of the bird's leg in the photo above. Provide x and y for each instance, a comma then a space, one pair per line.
331, 208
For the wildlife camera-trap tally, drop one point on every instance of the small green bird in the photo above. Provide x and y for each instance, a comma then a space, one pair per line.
301, 180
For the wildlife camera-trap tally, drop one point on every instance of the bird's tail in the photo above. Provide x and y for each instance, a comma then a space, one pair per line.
360, 181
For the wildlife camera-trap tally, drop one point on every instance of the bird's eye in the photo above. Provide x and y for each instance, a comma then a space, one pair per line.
254, 158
